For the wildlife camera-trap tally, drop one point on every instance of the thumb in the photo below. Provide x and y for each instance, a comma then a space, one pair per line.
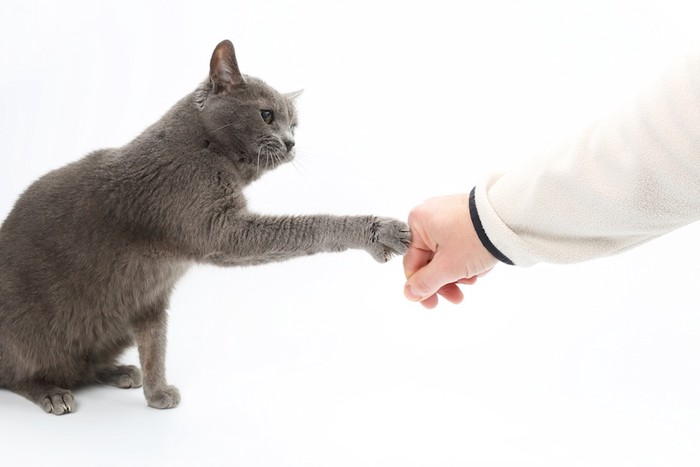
428, 280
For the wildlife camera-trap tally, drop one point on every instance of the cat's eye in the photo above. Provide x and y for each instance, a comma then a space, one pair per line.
267, 116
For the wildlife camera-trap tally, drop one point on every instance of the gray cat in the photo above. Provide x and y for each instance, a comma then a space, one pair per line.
90, 252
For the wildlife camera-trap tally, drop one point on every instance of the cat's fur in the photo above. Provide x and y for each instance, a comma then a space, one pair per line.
90, 253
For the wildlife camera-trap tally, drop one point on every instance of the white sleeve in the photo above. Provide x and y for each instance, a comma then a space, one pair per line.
628, 179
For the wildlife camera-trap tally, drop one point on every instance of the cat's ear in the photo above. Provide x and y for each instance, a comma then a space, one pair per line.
293, 95
223, 69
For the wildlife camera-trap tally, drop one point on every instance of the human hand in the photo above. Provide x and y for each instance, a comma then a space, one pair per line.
445, 251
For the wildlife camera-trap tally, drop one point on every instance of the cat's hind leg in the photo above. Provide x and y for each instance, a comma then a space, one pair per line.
121, 376
51, 398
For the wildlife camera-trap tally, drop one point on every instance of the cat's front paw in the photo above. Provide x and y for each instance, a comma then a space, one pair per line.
388, 237
166, 397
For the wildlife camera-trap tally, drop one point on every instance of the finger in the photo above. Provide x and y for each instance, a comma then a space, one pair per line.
451, 293
414, 259
430, 302
427, 280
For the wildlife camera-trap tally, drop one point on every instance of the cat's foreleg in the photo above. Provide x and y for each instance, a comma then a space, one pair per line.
259, 238
151, 341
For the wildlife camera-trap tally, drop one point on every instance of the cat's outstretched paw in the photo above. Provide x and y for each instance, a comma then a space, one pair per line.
167, 397
58, 402
388, 237
122, 376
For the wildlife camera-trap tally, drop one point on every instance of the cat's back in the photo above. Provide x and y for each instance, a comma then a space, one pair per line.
53, 209
50, 215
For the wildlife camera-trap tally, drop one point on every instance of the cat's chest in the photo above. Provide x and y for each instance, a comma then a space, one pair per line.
142, 282
225, 193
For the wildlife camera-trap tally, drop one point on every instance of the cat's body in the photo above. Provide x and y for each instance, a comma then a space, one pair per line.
90, 253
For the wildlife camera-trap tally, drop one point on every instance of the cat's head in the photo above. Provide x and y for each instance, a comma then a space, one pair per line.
244, 118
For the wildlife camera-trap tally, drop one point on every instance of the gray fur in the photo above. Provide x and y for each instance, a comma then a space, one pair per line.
90, 252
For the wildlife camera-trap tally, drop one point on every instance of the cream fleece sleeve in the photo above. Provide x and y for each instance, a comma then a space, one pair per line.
628, 179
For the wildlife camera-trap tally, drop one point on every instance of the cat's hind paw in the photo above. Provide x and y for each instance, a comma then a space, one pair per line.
388, 237
58, 402
122, 376
52, 399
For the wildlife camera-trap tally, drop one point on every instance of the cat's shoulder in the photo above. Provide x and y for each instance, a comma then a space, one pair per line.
215, 168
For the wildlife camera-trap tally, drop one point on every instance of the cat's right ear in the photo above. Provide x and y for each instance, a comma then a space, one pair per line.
223, 69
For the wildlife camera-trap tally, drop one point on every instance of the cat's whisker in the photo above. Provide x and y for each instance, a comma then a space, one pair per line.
311, 165
225, 126
257, 168
267, 159
298, 170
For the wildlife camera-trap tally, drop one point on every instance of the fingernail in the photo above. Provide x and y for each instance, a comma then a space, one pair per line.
411, 293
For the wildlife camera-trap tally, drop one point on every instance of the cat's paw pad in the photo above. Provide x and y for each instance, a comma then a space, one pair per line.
388, 237
58, 402
166, 397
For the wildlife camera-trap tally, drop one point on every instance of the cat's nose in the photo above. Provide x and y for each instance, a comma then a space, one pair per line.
289, 143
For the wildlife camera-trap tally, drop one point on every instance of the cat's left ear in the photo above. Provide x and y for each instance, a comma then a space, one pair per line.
293, 95
223, 69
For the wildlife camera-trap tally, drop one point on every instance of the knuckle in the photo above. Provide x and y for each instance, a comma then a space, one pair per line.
417, 214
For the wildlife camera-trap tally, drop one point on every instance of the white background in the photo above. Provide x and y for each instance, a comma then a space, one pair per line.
321, 361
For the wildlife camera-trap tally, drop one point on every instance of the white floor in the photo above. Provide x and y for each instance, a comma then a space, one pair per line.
545, 367
320, 361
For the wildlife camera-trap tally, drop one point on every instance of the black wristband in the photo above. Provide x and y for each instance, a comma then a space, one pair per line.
474, 214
